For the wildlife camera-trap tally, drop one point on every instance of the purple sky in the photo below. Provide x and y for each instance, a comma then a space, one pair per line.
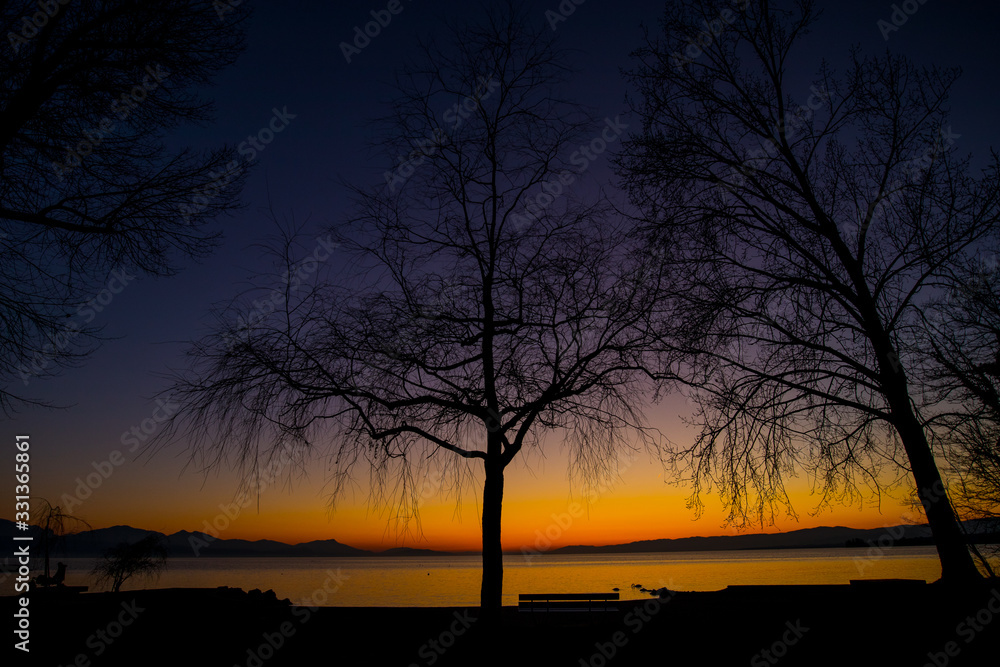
294, 62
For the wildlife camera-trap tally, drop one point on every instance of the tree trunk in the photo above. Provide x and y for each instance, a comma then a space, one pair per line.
492, 590
957, 565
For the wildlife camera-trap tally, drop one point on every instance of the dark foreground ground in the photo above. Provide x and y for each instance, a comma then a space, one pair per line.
886, 625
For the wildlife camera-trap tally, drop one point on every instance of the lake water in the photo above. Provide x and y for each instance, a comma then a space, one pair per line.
455, 580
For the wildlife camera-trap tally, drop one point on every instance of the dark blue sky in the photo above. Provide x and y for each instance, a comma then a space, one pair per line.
294, 62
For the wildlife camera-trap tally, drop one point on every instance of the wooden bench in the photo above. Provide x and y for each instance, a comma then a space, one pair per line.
560, 602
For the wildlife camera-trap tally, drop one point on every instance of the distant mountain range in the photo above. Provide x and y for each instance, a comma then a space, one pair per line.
806, 538
185, 544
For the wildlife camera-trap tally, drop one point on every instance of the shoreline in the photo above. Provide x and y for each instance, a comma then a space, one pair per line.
903, 622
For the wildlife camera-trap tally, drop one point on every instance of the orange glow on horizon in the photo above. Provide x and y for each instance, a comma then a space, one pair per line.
533, 522
542, 508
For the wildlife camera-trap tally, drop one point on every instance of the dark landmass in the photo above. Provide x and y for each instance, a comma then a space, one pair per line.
93, 543
806, 538
880, 623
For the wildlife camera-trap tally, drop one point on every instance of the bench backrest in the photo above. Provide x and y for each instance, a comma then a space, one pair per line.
528, 597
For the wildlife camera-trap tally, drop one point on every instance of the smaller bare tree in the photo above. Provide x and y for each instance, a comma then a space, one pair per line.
144, 559
961, 337
55, 525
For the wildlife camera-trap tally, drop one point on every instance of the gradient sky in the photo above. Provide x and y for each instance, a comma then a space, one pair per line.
294, 61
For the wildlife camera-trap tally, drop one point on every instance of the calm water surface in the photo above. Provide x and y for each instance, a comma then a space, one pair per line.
454, 580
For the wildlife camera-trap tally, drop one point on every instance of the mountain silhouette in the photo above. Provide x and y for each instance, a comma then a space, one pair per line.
187, 543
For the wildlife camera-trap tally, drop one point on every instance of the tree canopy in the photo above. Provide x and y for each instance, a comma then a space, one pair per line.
809, 225
143, 559
475, 325
90, 195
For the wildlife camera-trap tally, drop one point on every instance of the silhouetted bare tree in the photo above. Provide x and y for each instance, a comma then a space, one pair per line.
809, 226
962, 341
144, 559
54, 525
89, 195
480, 320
